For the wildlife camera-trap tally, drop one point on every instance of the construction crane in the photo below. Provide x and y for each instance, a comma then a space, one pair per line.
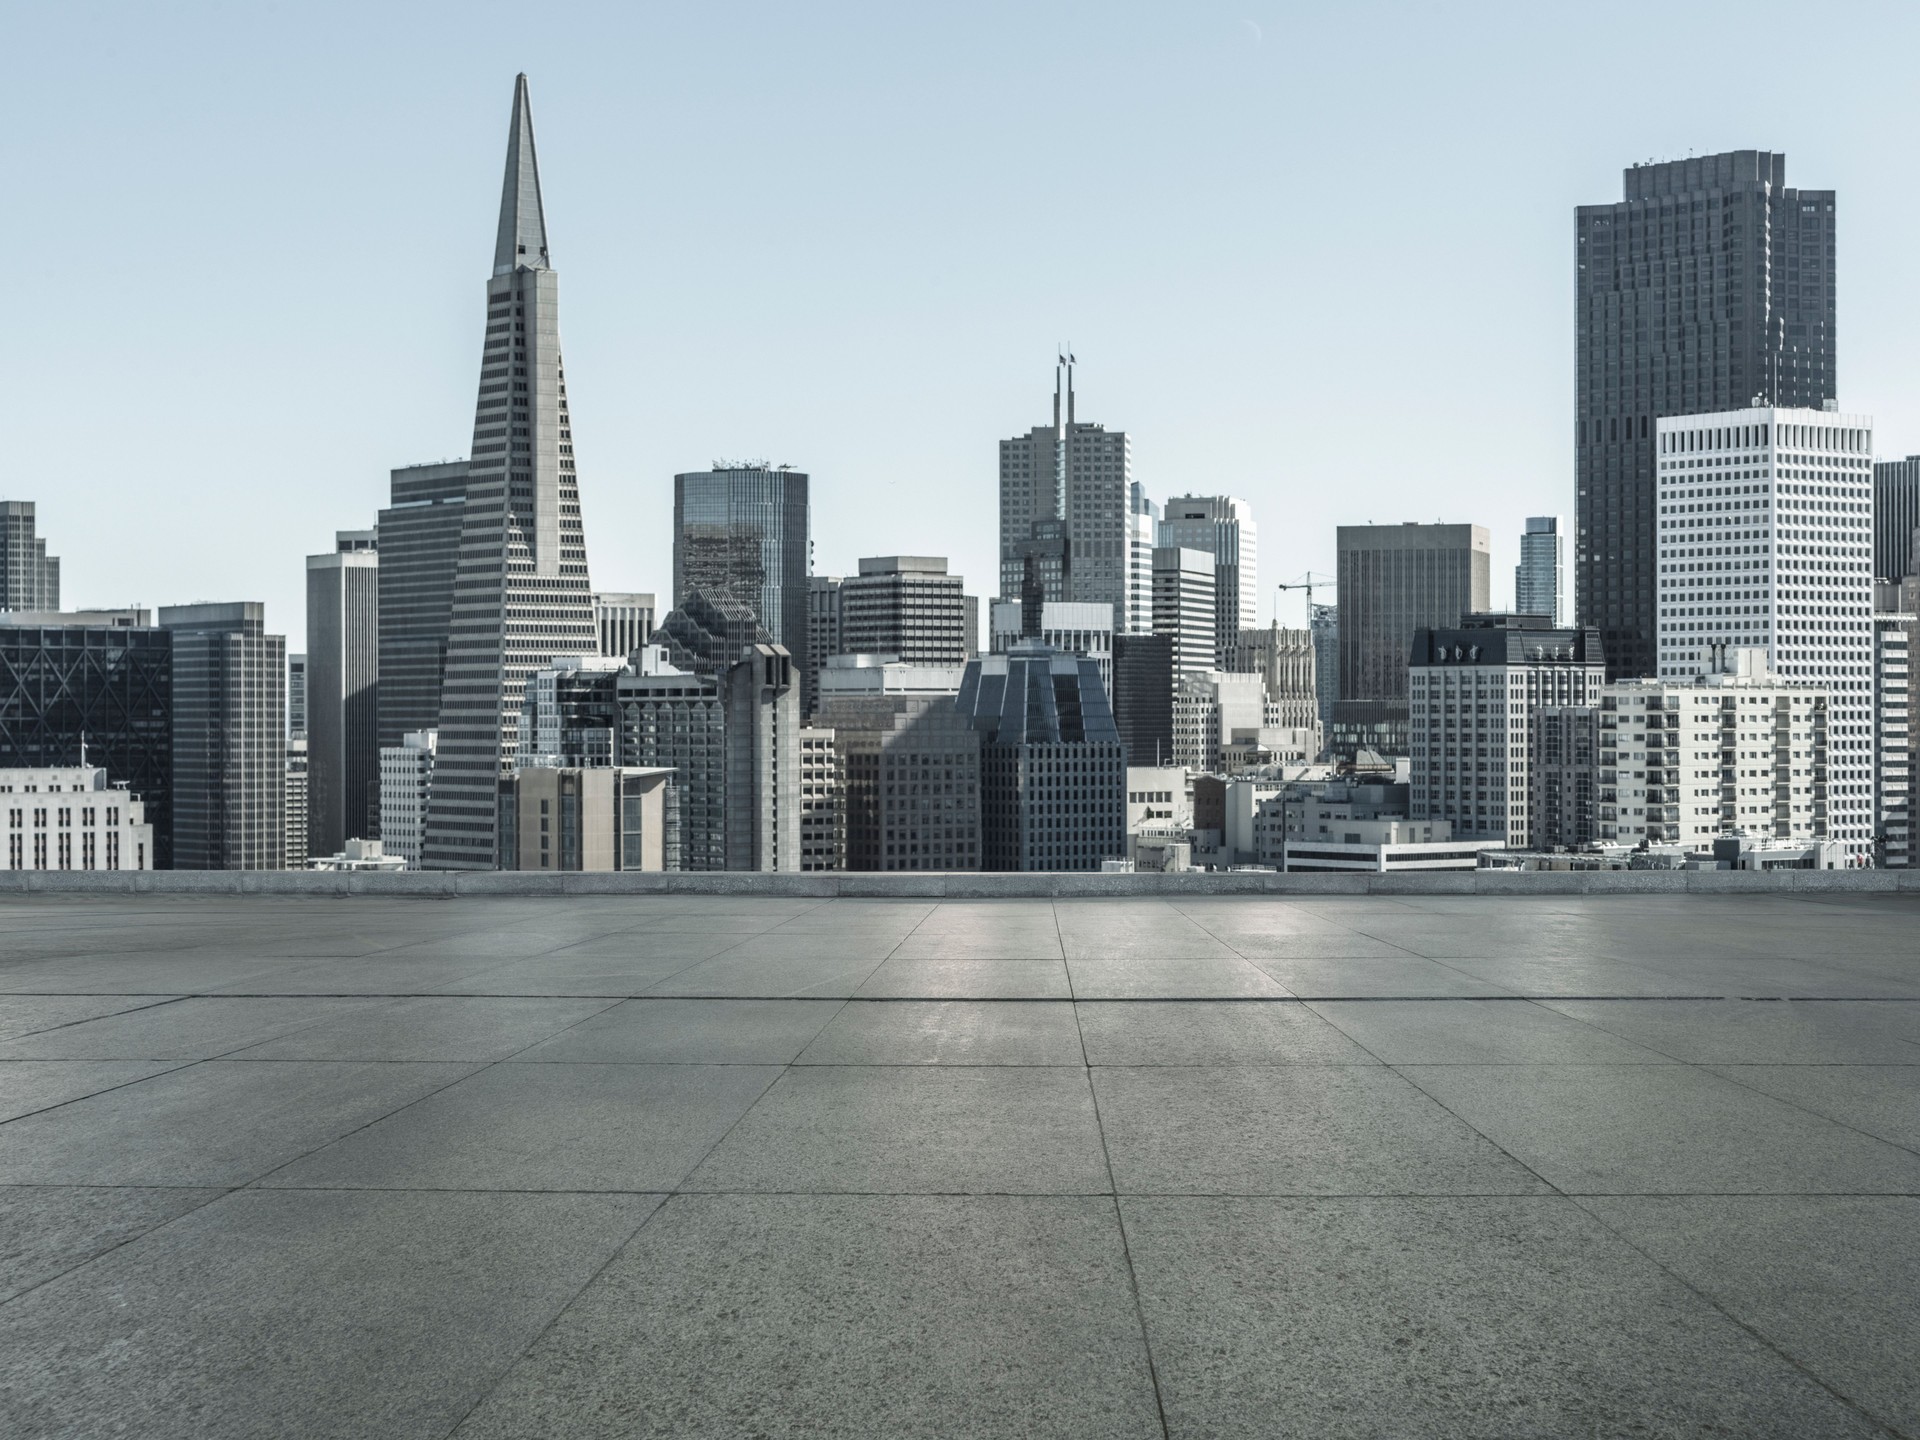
1306, 582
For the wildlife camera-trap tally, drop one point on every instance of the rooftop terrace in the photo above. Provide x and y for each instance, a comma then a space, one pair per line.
710, 1166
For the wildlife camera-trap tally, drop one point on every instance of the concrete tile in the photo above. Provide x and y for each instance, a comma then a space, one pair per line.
1594, 975
691, 1032
371, 975
1446, 1317
1661, 1129
1162, 933
565, 973
904, 978
1762, 1032
1145, 977
544, 1127
760, 976
304, 1315
30, 1085
948, 1032
879, 1317
1334, 945
197, 1028
1354, 979
1828, 1279
785, 947
1478, 1032
146, 973
1290, 1130
431, 1028
1207, 1032
46, 1230
26, 1014
216, 1123
936, 1129
1882, 1100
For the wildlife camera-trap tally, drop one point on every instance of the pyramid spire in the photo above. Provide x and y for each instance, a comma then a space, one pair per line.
523, 226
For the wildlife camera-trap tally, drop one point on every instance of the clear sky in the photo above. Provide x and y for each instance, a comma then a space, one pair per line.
1317, 256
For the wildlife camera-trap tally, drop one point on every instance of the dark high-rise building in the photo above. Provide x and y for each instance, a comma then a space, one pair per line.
743, 531
1143, 697
29, 577
521, 594
104, 680
419, 542
1396, 580
907, 606
1709, 287
1896, 516
342, 700
1053, 772
229, 738
705, 634
296, 697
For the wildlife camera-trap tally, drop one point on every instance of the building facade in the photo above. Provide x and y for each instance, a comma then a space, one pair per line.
521, 594
1896, 517
342, 700
1709, 283
601, 819
1075, 627
744, 531
1052, 765
1474, 691
1223, 527
1183, 601
1285, 662
624, 620
1396, 580
296, 801
29, 577
1540, 579
72, 818
418, 537
229, 738
1893, 737
1766, 541
1143, 682
1564, 765
406, 787
907, 606
822, 818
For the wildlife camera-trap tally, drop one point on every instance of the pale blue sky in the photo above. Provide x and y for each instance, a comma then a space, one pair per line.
1320, 257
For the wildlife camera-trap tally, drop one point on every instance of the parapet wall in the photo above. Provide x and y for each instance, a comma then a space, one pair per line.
958, 886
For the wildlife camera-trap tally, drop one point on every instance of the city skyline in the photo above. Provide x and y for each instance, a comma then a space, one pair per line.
1207, 397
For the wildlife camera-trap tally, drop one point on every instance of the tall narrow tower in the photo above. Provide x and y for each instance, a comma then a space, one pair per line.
520, 589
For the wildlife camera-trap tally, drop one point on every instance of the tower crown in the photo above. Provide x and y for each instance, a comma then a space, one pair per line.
522, 242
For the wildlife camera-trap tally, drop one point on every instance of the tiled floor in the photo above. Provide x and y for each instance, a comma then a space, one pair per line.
706, 1166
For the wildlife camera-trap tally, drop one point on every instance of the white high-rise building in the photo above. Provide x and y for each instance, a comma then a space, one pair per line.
1183, 606
1143, 533
1222, 526
1540, 579
1766, 541
69, 817
406, 784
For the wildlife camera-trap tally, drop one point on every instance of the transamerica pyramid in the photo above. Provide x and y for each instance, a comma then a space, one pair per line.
520, 589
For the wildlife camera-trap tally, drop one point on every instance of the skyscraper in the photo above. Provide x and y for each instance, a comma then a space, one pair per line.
1183, 600
520, 591
1709, 287
1896, 516
342, 699
29, 577
419, 542
1223, 527
1067, 488
229, 738
1398, 579
1540, 579
907, 606
744, 531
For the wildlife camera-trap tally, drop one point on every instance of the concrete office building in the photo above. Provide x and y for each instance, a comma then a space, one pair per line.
406, 787
1540, 579
1564, 767
1896, 518
72, 817
342, 700
744, 531
521, 593
599, 819
1711, 282
102, 679
29, 577
1211, 710
1766, 541
822, 821
1183, 601
1066, 504
624, 620
568, 713
1734, 749
908, 606
1474, 689
1143, 681
1052, 767
418, 536
297, 797
909, 764
1072, 626
705, 634
823, 632
1893, 737
1223, 527
229, 738
1285, 662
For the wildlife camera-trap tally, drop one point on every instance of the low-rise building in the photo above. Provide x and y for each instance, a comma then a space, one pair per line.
600, 818
359, 854
70, 817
